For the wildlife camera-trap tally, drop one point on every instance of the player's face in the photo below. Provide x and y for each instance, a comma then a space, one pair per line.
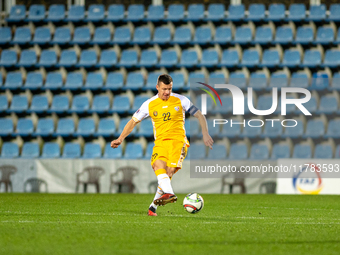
164, 90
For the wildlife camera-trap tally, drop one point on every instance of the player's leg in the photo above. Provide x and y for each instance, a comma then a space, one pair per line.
153, 206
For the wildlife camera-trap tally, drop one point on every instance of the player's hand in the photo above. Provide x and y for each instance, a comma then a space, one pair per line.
116, 143
208, 141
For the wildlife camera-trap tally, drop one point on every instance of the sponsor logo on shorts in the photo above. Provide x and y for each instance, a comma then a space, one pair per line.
165, 106
177, 108
155, 113
173, 163
154, 156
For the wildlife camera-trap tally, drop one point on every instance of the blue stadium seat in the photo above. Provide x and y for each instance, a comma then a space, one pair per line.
328, 104
324, 35
299, 79
284, 35
304, 35
162, 35
71, 150
182, 35
263, 35
108, 58
133, 151
155, 13
74, 81
106, 128
209, 58
81, 35
48, 58
41, 36
256, 12
62, 35
276, 12
317, 12
192, 128
194, 77
13, 81
80, 104
297, 12
219, 151
86, 127
9, 150
332, 58
45, 127
65, 127
178, 80
323, 151
88, 58
36, 13
227, 106
67, 58
169, 58
337, 40
112, 153
6, 127
236, 12
24, 127
278, 80
76, 13
291, 58
213, 131
148, 58
96, 13
92, 150
121, 104
22, 35
315, 129
280, 151
142, 35
50, 150
145, 128
122, 123
294, 132
5, 35
252, 132
217, 77
152, 80
135, 81
94, 81
3, 103
333, 129
175, 12
270, 58
250, 58
243, 35
19, 104
139, 100
8, 58
337, 152
115, 13
259, 152
128, 58
334, 12
189, 58
34, 81
102, 35
215, 12
135, 13
272, 129
302, 151
27, 58
59, 104
17, 13
114, 81
320, 81
223, 35
264, 102
30, 150
311, 58
203, 35
195, 12
311, 105
56, 13
149, 150
197, 151
335, 85
258, 80
53, 81
238, 151
100, 104
238, 79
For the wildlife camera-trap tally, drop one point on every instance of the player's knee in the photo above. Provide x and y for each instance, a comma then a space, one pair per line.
157, 165
170, 171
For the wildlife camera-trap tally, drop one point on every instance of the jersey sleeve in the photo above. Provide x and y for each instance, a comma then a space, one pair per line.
188, 106
142, 112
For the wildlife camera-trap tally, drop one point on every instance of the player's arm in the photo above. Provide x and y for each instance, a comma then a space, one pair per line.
208, 141
126, 131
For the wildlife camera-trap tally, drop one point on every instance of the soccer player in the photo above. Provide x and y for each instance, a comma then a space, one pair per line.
167, 112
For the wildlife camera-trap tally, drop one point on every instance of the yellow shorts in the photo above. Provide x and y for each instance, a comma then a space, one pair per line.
172, 152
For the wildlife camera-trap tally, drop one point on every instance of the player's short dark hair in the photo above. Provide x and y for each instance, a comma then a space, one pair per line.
165, 78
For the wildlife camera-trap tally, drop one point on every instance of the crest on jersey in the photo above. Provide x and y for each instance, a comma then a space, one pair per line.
155, 113
177, 108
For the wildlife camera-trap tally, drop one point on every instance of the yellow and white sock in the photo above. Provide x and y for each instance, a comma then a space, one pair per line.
164, 181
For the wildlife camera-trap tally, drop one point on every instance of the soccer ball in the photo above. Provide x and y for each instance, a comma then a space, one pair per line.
193, 203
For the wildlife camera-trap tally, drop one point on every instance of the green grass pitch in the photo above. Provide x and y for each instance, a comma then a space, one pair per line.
118, 224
